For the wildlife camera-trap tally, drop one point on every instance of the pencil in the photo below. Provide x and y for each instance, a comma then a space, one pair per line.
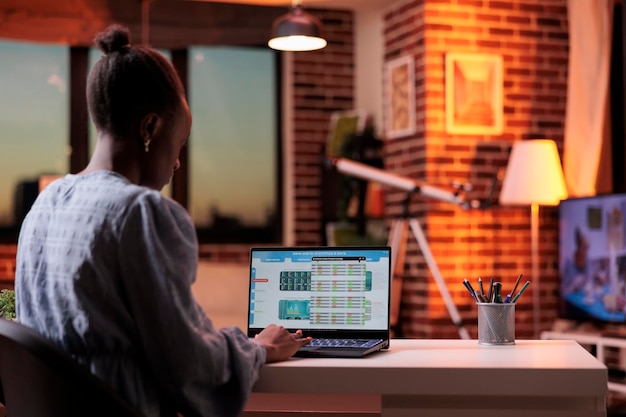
480, 286
478, 297
526, 284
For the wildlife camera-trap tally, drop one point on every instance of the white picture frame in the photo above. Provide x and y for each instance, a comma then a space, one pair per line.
400, 97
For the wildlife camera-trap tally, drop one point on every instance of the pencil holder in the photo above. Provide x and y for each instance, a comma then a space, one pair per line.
496, 323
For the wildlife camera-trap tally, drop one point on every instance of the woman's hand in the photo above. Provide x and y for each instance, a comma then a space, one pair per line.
279, 343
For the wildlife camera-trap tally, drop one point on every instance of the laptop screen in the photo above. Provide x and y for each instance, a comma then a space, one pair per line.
320, 289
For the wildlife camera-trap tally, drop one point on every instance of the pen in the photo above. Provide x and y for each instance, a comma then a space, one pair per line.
526, 284
516, 284
469, 288
490, 296
508, 298
466, 285
480, 286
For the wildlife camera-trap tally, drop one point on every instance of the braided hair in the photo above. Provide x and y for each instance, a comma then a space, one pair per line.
128, 82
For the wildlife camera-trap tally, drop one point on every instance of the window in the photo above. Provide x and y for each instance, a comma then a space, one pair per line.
34, 104
234, 161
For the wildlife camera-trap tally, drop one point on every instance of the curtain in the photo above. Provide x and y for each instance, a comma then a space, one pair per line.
590, 32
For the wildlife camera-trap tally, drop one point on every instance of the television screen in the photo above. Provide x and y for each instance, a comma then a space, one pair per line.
592, 258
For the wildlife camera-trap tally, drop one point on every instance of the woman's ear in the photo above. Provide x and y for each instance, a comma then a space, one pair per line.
148, 129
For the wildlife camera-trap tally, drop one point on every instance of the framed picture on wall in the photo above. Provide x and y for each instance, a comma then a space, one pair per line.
473, 93
400, 97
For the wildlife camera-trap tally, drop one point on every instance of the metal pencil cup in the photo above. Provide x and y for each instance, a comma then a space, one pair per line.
496, 323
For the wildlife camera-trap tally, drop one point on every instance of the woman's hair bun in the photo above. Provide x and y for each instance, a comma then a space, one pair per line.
114, 38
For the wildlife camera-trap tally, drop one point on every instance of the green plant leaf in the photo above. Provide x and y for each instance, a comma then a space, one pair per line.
7, 304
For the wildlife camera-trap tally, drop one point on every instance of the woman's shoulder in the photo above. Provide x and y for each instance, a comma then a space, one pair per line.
111, 191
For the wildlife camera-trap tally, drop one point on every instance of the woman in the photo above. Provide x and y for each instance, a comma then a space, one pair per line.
105, 263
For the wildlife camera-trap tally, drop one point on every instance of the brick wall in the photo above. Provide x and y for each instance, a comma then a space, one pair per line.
7, 266
323, 82
531, 36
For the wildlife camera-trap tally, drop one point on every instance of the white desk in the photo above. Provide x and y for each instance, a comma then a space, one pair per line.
600, 343
438, 378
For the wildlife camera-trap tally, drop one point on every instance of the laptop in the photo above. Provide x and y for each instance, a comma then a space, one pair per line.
337, 295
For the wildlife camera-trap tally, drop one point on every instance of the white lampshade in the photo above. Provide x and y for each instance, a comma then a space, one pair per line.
533, 175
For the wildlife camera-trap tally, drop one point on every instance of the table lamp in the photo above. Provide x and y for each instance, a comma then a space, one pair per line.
534, 176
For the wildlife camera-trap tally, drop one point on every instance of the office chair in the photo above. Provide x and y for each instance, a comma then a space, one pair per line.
38, 379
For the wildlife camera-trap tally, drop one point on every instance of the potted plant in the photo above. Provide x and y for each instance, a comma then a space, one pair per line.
7, 304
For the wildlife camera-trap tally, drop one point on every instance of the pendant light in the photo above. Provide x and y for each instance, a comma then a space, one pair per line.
297, 31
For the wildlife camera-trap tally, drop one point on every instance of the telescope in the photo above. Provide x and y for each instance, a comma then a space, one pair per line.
399, 226
370, 173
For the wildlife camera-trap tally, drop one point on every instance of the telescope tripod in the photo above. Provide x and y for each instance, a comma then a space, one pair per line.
397, 240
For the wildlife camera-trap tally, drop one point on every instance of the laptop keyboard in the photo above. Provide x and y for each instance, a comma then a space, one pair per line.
350, 343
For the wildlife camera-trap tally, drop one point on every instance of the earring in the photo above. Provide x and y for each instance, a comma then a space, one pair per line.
146, 144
